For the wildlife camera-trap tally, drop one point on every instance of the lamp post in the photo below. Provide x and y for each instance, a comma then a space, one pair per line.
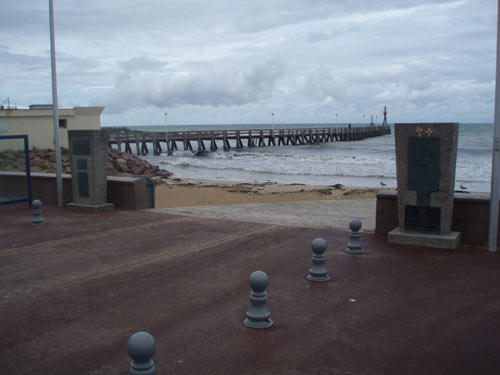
55, 108
336, 118
272, 119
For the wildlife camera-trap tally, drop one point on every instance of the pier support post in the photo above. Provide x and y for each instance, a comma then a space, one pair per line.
225, 141
137, 145
128, 149
250, 139
239, 144
169, 149
201, 145
213, 144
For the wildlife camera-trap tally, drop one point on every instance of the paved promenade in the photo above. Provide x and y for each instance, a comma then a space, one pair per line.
319, 214
73, 291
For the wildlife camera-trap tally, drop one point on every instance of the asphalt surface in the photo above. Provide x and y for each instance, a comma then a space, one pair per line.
76, 288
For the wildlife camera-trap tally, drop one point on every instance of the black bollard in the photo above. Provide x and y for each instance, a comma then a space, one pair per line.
354, 244
318, 270
37, 212
258, 316
141, 347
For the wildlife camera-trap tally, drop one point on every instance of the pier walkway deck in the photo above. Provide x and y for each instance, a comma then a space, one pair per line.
227, 139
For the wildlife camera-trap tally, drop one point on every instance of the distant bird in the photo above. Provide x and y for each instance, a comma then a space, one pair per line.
382, 183
463, 187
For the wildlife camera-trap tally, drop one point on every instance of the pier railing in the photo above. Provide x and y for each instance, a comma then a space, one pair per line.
201, 140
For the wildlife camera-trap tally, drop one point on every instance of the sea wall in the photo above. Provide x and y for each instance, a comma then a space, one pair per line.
470, 215
125, 192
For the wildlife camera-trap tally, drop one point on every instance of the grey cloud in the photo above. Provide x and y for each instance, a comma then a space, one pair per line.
215, 54
142, 63
221, 86
318, 37
323, 84
21, 60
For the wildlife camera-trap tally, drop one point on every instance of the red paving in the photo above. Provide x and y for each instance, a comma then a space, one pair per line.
76, 288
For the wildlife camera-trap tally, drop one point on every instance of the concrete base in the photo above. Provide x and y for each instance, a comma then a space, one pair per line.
88, 207
441, 241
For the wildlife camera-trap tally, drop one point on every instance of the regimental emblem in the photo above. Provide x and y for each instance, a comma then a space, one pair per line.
419, 131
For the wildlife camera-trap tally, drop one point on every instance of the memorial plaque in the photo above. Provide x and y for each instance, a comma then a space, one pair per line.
81, 164
80, 146
426, 157
83, 184
423, 163
422, 218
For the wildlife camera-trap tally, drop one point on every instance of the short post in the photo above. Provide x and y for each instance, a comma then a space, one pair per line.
258, 316
354, 244
37, 212
141, 347
318, 272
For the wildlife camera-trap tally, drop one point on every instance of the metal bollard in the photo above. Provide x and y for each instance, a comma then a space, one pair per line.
258, 316
37, 212
318, 270
354, 244
141, 347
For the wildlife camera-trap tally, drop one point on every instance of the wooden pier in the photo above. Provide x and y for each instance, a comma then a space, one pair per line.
202, 140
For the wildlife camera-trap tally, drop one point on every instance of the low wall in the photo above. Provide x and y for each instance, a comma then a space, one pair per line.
470, 215
125, 193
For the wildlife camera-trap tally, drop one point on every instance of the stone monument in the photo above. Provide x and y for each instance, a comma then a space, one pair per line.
89, 169
426, 156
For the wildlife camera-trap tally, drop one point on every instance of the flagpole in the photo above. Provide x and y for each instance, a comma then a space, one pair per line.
55, 108
495, 169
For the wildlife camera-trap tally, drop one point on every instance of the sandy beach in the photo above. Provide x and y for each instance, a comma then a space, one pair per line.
177, 192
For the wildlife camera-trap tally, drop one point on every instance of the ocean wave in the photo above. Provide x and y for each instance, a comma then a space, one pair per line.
282, 158
276, 169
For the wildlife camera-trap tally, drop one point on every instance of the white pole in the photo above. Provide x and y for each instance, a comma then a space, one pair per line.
55, 108
495, 172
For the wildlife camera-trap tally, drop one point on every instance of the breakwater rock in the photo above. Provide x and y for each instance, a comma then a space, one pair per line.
120, 163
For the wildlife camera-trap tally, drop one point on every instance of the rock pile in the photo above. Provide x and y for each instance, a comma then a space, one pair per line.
44, 161
123, 164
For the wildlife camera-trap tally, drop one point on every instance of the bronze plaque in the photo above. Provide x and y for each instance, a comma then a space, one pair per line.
80, 146
83, 184
422, 219
81, 164
423, 163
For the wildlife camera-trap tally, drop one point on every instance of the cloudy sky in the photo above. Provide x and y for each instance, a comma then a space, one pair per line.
232, 61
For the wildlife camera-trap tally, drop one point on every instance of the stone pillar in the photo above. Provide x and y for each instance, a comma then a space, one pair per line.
426, 156
89, 169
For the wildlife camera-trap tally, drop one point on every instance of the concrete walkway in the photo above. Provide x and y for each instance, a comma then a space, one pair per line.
319, 214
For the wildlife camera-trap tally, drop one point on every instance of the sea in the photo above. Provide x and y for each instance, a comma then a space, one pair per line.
369, 163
